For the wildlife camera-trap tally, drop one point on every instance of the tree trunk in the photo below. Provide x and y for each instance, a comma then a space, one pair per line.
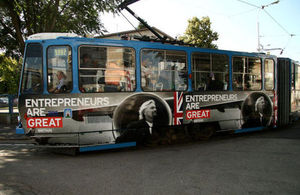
16, 23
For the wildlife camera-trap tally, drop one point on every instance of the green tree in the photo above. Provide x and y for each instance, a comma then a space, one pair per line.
21, 18
199, 33
10, 70
140, 26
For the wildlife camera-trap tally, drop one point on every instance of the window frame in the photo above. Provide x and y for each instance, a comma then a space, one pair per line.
265, 74
292, 75
238, 73
106, 46
72, 81
296, 76
211, 57
173, 81
42, 68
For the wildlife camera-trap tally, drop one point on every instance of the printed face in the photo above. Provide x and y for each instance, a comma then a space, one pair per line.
260, 104
261, 101
150, 112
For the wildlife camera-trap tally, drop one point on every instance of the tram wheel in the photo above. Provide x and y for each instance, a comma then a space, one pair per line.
42, 140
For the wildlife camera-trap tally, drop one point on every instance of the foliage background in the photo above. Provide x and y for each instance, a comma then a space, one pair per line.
22, 18
10, 70
26, 17
200, 33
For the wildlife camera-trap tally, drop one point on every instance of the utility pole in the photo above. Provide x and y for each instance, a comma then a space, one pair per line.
259, 46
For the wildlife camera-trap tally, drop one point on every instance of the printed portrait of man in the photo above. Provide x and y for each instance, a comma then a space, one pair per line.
141, 130
261, 110
257, 110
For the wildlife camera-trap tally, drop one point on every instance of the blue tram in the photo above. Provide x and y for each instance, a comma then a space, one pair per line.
91, 93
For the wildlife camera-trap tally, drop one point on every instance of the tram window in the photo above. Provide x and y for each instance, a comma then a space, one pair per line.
59, 69
246, 73
106, 69
269, 74
220, 63
293, 76
297, 77
210, 71
32, 81
163, 70
202, 62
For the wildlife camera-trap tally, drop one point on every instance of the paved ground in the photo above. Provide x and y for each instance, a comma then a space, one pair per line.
257, 163
8, 135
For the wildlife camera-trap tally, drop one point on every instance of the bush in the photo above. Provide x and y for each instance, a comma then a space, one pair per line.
10, 71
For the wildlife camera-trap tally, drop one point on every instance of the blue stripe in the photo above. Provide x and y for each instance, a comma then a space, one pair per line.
106, 147
248, 130
20, 130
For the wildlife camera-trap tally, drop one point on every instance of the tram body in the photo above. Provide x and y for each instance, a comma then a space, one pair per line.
92, 93
288, 90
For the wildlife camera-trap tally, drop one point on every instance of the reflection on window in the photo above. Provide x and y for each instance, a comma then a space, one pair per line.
210, 71
106, 69
163, 70
297, 76
59, 72
269, 74
32, 80
246, 73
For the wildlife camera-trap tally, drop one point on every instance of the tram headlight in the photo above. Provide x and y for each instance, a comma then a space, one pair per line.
19, 122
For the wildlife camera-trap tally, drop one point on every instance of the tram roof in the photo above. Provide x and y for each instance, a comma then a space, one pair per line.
43, 36
146, 44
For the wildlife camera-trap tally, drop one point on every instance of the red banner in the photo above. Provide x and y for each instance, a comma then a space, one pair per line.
44, 122
197, 114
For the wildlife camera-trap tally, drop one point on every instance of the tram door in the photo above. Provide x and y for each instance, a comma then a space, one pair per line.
284, 91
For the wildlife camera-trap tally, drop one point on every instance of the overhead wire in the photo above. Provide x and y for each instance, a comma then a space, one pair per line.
288, 42
249, 4
119, 11
130, 23
242, 1
244, 12
284, 29
276, 22
262, 7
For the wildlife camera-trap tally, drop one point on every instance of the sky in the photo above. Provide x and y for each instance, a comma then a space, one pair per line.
234, 20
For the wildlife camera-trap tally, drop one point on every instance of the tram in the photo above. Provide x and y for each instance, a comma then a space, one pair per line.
94, 94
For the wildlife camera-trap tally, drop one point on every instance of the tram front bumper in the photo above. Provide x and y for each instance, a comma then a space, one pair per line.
20, 131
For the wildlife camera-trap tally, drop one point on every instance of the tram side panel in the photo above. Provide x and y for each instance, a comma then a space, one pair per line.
83, 119
102, 118
229, 110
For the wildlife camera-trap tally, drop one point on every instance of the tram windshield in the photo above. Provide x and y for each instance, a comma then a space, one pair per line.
32, 82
